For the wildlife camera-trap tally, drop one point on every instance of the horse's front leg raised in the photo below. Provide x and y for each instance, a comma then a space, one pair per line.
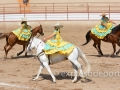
39, 72
21, 51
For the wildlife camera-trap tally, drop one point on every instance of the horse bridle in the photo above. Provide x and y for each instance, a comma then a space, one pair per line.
39, 54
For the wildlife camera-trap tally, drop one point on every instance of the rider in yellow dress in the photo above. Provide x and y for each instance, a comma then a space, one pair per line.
24, 32
57, 44
104, 28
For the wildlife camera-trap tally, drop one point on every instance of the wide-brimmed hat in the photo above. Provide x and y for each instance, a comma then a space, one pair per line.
103, 14
24, 19
58, 25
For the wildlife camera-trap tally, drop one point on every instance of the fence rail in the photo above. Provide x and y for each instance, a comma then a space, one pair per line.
59, 11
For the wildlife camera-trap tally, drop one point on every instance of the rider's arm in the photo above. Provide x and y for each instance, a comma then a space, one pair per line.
52, 35
30, 27
112, 21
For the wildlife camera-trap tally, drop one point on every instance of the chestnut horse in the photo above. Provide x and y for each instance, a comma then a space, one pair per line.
113, 37
11, 40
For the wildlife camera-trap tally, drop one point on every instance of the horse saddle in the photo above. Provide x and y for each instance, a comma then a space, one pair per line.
22, 34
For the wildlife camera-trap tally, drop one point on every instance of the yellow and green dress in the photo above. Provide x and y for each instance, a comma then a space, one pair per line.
23, 34
101, 31
57, 44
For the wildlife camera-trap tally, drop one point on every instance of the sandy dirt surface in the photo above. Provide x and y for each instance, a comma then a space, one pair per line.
17, 73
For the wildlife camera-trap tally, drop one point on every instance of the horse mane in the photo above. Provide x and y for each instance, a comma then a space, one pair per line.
34, 28
116, 29
35, 31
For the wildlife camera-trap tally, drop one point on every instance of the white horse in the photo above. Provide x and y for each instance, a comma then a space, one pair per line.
57, 57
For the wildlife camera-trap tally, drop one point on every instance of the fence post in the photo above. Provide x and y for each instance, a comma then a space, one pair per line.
20, 8
109, 11
53, 7
67, 12
24, 11
3, 13
45, 12
88, 10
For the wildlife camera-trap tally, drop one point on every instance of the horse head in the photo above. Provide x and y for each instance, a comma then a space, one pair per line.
35, 43
39, 30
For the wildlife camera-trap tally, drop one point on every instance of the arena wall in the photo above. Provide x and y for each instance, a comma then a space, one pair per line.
47, 25
57, 1
9, 26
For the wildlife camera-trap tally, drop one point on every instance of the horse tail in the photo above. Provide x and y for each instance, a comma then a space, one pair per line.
4, 35
87, 64
88, 38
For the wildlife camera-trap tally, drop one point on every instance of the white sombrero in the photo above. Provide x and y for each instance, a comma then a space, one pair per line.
103, 14
58, 25
24, 19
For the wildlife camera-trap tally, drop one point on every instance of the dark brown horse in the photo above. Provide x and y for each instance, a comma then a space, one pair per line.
11, 40
113, 37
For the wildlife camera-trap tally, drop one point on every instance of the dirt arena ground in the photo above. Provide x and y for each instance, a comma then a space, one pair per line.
17, 73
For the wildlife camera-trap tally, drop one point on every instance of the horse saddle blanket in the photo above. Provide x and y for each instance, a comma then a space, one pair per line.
100, 31
22, 34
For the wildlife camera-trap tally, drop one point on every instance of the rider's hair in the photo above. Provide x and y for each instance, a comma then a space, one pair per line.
24, 22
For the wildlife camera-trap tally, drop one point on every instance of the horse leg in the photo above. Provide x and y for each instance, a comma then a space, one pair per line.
75, 72
99, 48
77, 64
39, 72
119, 49
7, 50
95, 45
114, 49
21, 51
5, 47
49, 70
118, 52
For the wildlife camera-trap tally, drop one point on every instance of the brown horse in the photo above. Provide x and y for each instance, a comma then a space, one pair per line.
113, 37
11, 40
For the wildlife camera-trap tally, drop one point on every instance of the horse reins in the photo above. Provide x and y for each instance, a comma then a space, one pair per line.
39, 44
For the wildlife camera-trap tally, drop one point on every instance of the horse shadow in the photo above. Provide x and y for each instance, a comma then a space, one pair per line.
23, 56
62, 77
19, 57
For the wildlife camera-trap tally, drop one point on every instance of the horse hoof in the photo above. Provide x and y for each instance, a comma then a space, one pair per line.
117, 53
11, 56
17, 54
112, 56
34, 79
73, 81
5, 58
54, 81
